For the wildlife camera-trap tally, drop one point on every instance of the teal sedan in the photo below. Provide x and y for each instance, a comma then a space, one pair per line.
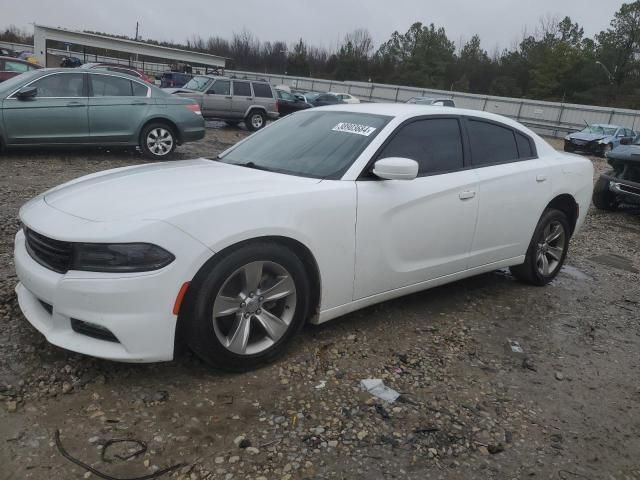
66, 107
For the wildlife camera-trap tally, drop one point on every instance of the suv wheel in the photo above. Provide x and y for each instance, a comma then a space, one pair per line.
547, 250
157, 141
255, 120
246, 308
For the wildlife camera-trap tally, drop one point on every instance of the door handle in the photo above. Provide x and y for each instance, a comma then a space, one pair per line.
76, 104
466, 195
541, 178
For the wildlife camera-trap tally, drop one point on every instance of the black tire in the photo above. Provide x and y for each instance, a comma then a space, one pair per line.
603, 198
568, 147
166, 144
256, 120
200, 333
529, 271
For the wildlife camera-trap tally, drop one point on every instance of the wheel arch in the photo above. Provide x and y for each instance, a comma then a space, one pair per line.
298, 248
567, 204
167, 121
255, 107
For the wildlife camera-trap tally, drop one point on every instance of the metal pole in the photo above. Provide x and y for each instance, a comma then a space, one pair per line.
555, 134
397, 92
611, 116
520, 111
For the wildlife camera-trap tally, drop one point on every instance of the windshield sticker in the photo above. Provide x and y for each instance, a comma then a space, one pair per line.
354, 128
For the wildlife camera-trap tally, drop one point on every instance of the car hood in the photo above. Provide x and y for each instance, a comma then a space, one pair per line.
156, 191
589, 137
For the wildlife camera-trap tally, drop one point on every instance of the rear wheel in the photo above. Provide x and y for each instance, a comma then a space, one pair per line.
255, 120
603, 198
247, 307
547, 251
157, 141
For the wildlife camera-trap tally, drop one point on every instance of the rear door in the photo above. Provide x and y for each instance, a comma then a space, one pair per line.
242, 98
514, 188
412, 231
57, 115
217, 100
117, 108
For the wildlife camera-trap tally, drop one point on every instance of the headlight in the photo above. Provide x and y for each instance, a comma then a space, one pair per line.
567, 138
119, 257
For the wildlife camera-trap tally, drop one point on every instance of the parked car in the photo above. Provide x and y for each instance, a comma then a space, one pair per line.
235, 254
598, 139
174, 79
232, 100
621, 184
307, 96
436, 102
94, 107
346, 98
325, 99
289, 103
70, 62
6, 52
11, 67
122, 69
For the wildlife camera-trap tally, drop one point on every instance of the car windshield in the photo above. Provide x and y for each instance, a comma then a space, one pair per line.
310, 144
198, 83
599, 129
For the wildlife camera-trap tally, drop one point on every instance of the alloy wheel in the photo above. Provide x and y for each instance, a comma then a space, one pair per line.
254, 307
550, 248
160, 141
257, 121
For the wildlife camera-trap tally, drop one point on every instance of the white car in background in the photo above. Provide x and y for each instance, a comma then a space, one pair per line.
346, 98
233, 255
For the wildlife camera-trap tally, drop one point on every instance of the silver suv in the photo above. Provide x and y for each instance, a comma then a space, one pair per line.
233, 100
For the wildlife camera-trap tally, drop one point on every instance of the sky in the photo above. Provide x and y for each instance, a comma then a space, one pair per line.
500, 23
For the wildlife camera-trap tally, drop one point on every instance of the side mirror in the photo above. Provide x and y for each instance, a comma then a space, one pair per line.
396, 168
27, 92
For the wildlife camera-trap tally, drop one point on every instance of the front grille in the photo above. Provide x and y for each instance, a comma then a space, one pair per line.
629, 189
92, 330
52, 254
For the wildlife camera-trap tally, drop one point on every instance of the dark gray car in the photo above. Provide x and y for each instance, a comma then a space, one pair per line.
94, 107
233, 100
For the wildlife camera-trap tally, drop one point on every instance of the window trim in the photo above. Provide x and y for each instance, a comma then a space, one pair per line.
227, 95
89, 83
532, 144
233, 89
85, 85
367, 171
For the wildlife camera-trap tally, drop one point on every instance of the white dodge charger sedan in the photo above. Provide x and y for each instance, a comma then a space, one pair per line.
324, 212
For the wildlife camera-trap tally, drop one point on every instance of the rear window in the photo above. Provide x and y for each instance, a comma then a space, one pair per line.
139, 90
262, 90
491, 143
107, 86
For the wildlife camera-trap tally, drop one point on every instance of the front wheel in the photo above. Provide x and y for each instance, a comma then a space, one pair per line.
247, 307
157, 141
547, 251
255, 120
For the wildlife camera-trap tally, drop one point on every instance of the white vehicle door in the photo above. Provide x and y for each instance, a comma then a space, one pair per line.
515, 186
411, 231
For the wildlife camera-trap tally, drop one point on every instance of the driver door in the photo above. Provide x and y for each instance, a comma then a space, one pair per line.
412, 231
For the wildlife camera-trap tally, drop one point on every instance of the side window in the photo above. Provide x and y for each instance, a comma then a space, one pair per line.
139, 90
448, 103
262, 90
220, 87
10, 66
491, 143
107, 86
524, 146
241, 89
60, 85
436, 144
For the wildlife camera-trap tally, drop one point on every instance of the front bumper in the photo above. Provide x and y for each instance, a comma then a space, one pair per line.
137, 309
273, 115
585, 146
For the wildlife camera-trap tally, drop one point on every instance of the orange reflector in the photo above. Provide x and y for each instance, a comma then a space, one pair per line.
180, 297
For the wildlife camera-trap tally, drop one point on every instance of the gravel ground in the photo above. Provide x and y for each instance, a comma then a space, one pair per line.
568, 407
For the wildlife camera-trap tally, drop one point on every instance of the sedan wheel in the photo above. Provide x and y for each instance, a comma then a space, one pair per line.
550, 251
254, 307
246, 305
157, 141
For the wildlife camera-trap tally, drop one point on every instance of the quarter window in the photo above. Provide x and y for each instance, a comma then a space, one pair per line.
139, 90
107, 86
241, 89
524, 146
491, 143
220, 87
66, 85
436, 144
262, 90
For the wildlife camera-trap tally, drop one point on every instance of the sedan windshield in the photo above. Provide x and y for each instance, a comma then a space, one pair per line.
197, 83
600, 130
319, 144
